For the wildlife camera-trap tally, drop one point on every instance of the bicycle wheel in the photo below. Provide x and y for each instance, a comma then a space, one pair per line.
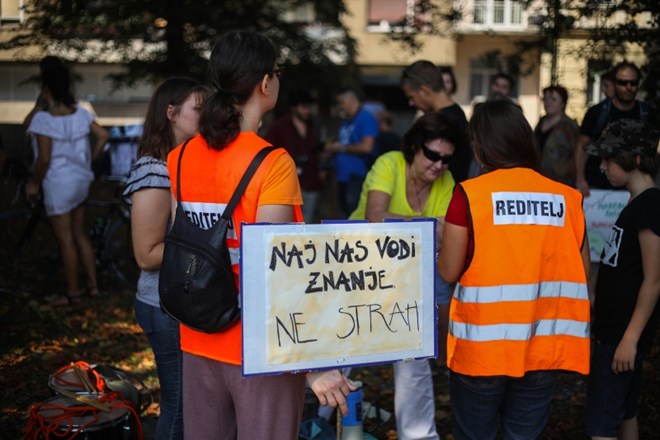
118, 253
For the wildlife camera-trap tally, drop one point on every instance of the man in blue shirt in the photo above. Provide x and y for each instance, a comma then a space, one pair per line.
354, 149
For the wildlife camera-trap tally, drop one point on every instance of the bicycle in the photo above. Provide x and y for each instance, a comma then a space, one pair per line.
111, 236
110, 233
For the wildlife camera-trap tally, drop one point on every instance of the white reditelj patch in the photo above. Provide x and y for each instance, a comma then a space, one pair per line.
205, 215
528, 208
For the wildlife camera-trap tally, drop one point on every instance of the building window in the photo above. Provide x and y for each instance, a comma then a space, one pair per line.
480, 74
387, 12
396, 15
498, 12
595, 70
12, 11
304, 13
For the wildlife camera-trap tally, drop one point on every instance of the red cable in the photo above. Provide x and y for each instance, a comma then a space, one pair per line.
41, 426
87, 369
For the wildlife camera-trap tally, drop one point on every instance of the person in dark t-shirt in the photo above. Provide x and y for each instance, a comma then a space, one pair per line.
423, 85
622, 105
628, 283
297, 134
388, 139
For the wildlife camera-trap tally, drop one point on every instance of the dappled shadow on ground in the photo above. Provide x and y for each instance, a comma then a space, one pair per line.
37, 340
567, 414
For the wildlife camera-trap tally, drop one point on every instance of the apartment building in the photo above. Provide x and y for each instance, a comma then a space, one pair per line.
484, 40
477, 45
473, 46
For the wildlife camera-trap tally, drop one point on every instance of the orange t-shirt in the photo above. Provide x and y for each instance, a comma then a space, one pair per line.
208, 179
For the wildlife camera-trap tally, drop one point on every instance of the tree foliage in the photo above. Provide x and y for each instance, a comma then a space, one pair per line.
427, 17
630, 21
155, 39
608, 27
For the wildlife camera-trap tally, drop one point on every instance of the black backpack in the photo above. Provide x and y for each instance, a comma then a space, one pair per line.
196, 283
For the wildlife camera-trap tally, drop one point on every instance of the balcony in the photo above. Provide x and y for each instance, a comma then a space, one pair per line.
505, 16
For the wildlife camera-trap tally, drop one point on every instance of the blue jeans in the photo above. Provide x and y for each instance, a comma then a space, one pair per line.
611, 397
442, 290
349, 194
163, 335
521, 403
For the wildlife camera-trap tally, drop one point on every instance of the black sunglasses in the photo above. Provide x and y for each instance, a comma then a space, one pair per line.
434, 156
627, 82
278, 71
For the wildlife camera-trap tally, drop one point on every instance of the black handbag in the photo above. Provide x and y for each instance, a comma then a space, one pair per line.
196, 283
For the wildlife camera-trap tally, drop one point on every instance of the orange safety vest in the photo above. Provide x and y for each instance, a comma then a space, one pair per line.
522, 303
208, 179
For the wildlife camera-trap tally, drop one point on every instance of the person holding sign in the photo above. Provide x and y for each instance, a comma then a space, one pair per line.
628, 283
413, 183
218, 403
516, 242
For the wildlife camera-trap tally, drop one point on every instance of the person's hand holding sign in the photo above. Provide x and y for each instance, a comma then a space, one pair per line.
331, 388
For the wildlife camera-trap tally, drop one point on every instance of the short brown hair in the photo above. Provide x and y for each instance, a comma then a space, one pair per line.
626, 65
423, 73
627, 161
561, 91
502, 137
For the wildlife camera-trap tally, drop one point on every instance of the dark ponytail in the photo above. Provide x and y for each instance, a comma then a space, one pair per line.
57, 79
239, 61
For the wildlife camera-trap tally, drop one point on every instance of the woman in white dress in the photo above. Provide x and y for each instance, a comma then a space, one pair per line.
63, 169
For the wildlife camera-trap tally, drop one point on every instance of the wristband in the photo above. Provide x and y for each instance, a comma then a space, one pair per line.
342, 148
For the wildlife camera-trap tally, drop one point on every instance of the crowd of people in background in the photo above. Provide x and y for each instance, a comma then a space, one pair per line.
510, 287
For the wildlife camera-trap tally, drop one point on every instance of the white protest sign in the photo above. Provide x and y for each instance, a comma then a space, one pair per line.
601, 209
336, 295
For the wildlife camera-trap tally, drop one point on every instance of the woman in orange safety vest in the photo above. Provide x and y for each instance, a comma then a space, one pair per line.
218, 402
516, 243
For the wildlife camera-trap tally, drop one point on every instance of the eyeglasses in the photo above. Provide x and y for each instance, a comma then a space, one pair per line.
627, 82
434, 156
278, 71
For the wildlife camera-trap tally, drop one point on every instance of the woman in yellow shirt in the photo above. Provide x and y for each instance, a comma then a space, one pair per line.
412, 183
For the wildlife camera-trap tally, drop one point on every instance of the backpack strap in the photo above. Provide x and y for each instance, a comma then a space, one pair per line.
178, 173
240, 189
603, 117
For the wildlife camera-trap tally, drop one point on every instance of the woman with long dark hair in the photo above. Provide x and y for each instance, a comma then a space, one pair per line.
516, 243
218, 403
172, 117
